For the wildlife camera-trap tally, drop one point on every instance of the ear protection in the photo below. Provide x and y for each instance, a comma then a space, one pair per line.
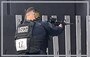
37, 14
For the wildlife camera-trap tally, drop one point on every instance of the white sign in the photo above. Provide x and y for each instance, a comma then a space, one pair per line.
21, 44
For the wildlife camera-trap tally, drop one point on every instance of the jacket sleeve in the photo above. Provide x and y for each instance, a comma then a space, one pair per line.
51, 29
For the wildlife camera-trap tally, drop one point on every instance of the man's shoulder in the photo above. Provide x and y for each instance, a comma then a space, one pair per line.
44, 23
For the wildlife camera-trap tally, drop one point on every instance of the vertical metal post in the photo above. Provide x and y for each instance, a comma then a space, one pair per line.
78, 35
55, 46
55, 40
88, 35
44, 18
18, 19
67, 36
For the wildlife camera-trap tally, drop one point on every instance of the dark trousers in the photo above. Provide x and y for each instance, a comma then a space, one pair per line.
39, 53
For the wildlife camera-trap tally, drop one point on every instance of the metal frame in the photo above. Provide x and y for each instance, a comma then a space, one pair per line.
88, 51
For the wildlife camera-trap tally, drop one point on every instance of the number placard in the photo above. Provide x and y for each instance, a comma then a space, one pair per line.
21, 44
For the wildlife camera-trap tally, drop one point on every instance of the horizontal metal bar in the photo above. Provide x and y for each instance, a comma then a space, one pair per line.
44, 55
44, 1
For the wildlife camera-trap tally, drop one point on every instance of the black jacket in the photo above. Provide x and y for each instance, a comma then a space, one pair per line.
40, 34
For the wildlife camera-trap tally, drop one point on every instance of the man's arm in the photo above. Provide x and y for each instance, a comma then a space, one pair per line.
52, 29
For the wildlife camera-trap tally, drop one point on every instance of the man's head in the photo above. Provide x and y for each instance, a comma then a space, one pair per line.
31, 14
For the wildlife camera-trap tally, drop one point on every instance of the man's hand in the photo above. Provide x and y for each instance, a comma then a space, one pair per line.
60, 25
